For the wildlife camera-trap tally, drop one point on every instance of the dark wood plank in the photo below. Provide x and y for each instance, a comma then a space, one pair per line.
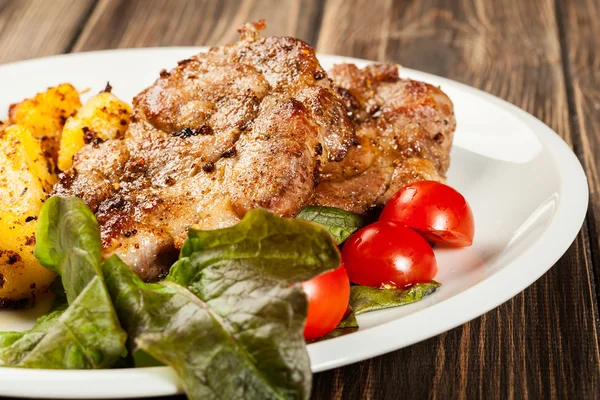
511, 51
543, 343
37, 28
144, 23
580, 25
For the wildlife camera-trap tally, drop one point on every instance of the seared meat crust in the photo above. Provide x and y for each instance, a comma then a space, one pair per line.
404, 132
256, 124
242, 126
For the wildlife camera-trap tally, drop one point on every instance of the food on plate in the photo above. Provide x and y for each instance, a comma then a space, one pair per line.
241, 126
328, 296
24, 183
30, 152
229, 317
82, 330
45, 115
388, 255
404, 131
200, 228
256, 124
437, 211
102, 117
340, 223
364, 299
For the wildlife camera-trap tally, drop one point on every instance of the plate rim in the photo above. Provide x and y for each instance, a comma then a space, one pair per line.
555, 240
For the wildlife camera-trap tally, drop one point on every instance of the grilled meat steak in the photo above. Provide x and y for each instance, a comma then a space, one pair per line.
404, 131
256, 124
242, 126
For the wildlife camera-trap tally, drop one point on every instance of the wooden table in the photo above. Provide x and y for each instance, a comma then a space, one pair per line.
542, 55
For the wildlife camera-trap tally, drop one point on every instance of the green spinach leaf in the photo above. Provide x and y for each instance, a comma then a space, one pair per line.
172, 325
249, 276
86, 334
82, 336
68, 242
340, 223
364, 298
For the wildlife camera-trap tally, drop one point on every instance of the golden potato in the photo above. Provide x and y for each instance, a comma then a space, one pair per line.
45, 115
102, 117
24, 184
21, 275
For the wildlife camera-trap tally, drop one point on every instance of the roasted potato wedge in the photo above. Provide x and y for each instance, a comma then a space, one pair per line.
102, 117
45, 115
25, 182
21, 275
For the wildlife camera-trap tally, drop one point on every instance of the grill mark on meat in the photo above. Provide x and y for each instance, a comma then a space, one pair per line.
231, 152
372, 109
319, 149
318, 75
205, 130
184, 62
208, 167
185, 133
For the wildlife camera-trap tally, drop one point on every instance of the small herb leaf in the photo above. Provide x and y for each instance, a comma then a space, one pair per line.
365, 298
340, 223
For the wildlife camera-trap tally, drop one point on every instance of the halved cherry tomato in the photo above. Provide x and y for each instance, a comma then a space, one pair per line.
437, 211
387, 254
328, 296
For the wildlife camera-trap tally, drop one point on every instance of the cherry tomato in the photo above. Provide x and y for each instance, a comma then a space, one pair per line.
387, 254
328, 296
437, 211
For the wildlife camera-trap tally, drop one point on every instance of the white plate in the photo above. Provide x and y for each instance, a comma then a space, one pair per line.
527, 189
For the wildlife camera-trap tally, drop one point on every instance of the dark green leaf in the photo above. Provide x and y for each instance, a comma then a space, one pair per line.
142, 359
246, 275
349, 321
172, 325
58, 290
364, 298
68, 242
87, 334
347, 325
340, 223
280, 249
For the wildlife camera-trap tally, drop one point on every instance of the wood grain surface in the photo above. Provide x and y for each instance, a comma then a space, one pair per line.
541, 55
146, 23
580, 26
37, 28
